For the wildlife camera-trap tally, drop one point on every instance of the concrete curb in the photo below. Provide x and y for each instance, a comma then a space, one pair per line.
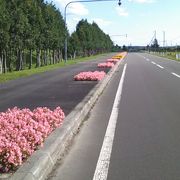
41, 163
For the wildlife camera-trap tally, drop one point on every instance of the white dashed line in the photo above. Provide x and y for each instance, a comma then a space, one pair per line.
177, 75
174, 74
102, 166
159, 66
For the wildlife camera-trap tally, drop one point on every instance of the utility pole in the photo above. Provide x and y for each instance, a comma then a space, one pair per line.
164, 39
155, 48
155, 34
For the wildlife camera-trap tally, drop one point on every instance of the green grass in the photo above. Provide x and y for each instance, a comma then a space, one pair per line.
28, 72
169, 55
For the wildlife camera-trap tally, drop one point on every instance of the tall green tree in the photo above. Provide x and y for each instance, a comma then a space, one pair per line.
4, 35
89, 39
30, 28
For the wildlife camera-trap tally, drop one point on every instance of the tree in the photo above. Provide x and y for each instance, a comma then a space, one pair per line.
116, 48
4, 35
124, 48
89, 39
74, 45
28, 26
33, 32
155, 44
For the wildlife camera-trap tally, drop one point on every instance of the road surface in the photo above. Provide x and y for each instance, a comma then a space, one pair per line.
50, 89
146, 114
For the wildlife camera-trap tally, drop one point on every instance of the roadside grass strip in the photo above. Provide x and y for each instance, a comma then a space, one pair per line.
106, 65
28, 72
90, 76
23, 131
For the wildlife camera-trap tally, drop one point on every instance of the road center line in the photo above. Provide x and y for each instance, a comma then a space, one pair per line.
177, 75
153, 62
147, 59
102, 166
159, 66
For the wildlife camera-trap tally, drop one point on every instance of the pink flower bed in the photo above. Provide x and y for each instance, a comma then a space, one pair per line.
106, 65
112, 60
90, 76
22, 131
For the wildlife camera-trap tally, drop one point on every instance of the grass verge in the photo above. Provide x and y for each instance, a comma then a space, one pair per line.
28, 72
168, 55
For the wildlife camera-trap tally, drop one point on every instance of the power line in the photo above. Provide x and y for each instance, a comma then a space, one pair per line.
154, 37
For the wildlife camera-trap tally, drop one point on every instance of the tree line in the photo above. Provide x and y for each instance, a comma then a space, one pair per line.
32, 34
89, 39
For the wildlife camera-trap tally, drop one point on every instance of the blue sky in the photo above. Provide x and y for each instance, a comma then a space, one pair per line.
139, 19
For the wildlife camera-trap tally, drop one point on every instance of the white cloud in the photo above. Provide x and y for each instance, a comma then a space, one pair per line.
78, 9
102, 22
122, 11
143, 1
73, 8
72, 22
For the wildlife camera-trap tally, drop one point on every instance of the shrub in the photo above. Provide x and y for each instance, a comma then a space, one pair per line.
90, 76
112, 60
22, 131
106, 65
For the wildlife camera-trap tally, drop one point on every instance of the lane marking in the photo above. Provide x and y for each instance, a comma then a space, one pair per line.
159, 66
177, 75
147, 59
153, 62
102, 166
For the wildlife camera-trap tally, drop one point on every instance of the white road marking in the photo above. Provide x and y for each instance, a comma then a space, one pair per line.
102, 166
159, 66
147, 59
177, 75
153, 62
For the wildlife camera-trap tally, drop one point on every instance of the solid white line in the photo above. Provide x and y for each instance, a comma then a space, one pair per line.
102, 166
153, 62
159, 66
177, 75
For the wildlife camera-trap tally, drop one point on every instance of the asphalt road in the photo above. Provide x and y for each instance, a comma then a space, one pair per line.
147, 137
49, 89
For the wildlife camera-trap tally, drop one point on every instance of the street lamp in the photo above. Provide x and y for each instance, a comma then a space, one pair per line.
71, 2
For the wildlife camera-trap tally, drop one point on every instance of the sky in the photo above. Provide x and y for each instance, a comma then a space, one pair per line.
133, 23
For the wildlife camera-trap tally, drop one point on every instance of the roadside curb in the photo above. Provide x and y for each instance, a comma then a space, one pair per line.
41, 163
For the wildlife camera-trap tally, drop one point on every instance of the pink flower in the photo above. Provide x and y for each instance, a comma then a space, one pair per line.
106, 65
90, 76
112, 60
22, 131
